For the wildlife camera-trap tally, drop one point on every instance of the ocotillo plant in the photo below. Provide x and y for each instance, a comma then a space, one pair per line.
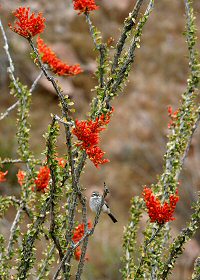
50, 186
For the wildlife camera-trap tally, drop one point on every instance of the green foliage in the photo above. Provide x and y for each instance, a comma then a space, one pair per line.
27, 257
47, 261
195, 275
5, 203
23, 125
130, 235
113, 76
186, 234
4, 268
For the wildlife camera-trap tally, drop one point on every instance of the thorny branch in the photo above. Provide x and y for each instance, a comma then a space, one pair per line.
27, 210
185, 235
30, 239
72, 246
8, 110
92, 30
50, 253
147, 243
85, 242
128, 26
10, 160
24, 151
100, 47
52, 232
196, 273
25, 207
11, 65
121, 72
190, 139
12, 107
14, 228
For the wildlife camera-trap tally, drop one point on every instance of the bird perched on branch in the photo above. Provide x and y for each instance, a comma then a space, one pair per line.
95, 204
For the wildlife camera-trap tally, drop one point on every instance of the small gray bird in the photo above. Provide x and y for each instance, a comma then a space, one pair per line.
95, 203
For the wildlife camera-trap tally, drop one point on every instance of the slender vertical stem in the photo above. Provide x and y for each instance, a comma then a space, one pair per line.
128, 26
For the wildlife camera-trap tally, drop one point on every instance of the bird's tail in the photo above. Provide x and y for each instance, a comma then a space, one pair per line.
112, 217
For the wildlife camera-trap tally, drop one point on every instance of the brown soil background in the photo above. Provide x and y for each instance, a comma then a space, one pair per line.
135, 140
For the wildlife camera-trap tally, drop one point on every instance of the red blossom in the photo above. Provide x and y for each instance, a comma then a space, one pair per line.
20, 177
84, 6
173, 116
27, 25
157, 212
87, 133
77, 253
56, 65
43, 178
95, 154
2, 176
61, 162
77, 235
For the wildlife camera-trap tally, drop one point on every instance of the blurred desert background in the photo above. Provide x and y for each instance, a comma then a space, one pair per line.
135, 140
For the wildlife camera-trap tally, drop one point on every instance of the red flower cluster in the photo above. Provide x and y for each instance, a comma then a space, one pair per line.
56, 65
78, 234
61, 162
43, 178
173, 116
87, 133
20, 176
2, 176
27, 25
95, 154
157, 212
84, 6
